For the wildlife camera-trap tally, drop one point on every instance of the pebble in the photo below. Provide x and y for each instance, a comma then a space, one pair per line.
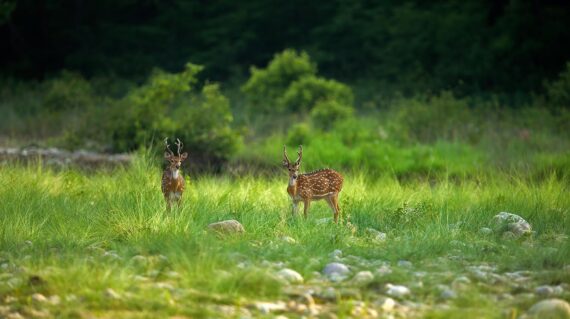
383, 270
405, 264
227, 227
387, 304
550, 308
39, 297
485, 231
448, 294
268, 307
363, 277
290, 276
111, 294
397, 290
336, 268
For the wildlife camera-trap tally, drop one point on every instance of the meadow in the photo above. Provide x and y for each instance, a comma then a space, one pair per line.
77, 244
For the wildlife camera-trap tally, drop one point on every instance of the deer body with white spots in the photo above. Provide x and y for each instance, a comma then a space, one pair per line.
321, 184
172, 181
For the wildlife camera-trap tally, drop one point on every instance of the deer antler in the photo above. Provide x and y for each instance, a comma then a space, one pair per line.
300, 154
286, 158
179, 145
168, 146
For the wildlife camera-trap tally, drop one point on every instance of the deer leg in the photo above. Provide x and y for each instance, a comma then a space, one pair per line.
306, 205
294, 208
336, 209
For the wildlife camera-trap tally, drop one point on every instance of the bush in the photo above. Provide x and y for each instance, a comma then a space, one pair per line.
299, 134
266, 86
68, 91
328, 112
558, 92
303, 94
441, 117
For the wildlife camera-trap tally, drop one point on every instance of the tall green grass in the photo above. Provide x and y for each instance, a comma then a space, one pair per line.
78, 233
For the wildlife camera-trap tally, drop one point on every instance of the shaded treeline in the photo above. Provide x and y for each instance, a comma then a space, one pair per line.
469, 47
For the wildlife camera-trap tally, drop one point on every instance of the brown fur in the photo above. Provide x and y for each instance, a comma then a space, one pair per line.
172, 180
321, 184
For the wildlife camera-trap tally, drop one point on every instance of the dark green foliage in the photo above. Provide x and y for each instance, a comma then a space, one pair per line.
305, 93
68, 91
328, 112
413, 46
558, 91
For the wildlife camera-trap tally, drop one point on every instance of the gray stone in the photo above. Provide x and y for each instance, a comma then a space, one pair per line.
544, 290
512, 225
405, 264
336, 254
363, 277
397, 290
448, 294
485, 231
290, 276
550, 309
227, 227
336, 268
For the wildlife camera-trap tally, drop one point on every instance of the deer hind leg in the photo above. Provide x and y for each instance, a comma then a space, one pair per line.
294, 206
306, 205
335, 207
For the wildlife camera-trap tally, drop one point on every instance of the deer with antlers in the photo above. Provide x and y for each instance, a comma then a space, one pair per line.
172, 180
320, 184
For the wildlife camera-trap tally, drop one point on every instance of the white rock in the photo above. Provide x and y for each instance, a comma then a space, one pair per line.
111, 294
387, 304
336, 268
363, 277
511, 225
227, 227
39, 298
397, 290
268, 307
550, 309
290, 276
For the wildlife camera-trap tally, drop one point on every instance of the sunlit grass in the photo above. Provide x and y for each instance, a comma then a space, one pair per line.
79, 233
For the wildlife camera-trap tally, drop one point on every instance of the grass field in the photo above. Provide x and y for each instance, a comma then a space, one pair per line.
101, 245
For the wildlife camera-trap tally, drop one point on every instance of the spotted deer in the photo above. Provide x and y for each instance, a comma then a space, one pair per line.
320, 184
172, 180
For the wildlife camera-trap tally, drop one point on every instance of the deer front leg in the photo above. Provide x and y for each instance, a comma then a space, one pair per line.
306, 205
335, 207
294, 206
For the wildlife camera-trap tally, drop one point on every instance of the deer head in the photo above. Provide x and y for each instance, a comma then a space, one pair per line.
174, 160
293, 168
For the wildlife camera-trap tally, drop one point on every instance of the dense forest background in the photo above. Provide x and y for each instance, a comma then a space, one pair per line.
397, 87
506, 46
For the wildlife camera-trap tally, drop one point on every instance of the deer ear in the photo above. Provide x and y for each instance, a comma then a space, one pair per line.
167, 155
184, 156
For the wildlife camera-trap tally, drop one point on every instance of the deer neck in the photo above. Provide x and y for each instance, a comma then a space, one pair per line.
174, 173
292, 187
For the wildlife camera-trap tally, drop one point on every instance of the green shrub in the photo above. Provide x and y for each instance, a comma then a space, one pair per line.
68, 91
441, 117
266, 86
558, 92
328, 112
303, 94
299, 134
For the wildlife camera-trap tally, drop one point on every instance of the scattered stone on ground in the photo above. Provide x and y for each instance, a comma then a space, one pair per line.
405, 264
376, 234
446, 292
386, 304
111, 294
363, 277
269, 307
336, 268
397, 291
290, 276
383, 270
550, 309
336, 254
39, 298
227, 227
546, 290
511, 226
485, 231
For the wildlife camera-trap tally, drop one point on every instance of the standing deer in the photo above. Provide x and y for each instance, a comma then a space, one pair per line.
320, 184
172, 180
